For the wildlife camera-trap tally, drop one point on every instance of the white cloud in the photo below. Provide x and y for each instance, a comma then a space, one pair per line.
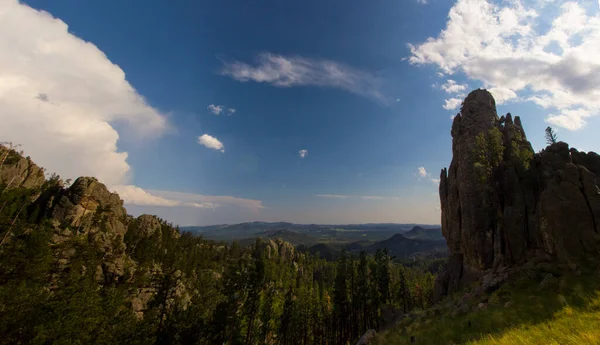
502, 46
137, 196
211, 142
218, 109
288, 71
303, 153
452, 103
422, 2
133, 195
60, 96
202, 205
365, 197
332, 196
450, 86
422, 173
209, 201
215, 109
502, 94
375, 197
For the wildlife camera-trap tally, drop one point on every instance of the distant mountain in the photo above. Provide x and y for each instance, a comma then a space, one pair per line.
403, 247
420, 233
338, 234
357, 246
321, 250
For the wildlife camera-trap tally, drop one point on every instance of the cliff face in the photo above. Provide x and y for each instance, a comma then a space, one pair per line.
503, 205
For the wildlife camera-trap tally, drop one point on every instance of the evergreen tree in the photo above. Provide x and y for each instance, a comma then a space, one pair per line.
550, 136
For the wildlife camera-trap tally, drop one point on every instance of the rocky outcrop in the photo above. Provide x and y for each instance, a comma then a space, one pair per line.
88, 212
89, 208
18, 171
502, 204
279, 248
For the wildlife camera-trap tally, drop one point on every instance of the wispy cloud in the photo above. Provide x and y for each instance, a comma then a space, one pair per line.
332, 196
133, 195
374, 197
303, 153
211, 142
137, 196
423, 173
200, 199
504, 47
289, 71
215, 109
219, 109
365, 197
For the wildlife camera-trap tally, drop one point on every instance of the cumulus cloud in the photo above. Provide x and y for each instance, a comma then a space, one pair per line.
504, 47
211, 142
450, 86
452, 103
231, 111
422, 171
303, 153
61, 95
288, 71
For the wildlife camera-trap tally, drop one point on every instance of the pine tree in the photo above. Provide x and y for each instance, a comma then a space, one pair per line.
550, 136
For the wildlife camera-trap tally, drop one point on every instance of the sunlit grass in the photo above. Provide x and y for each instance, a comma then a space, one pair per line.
567, 313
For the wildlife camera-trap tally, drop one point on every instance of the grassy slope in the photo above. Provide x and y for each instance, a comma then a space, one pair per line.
566, 312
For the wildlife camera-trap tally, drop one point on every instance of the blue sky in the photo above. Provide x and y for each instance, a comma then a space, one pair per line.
366, 88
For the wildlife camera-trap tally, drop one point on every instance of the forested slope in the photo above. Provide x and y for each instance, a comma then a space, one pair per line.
76, 269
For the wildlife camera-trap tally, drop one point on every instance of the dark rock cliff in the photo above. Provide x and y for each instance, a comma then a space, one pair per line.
502, 204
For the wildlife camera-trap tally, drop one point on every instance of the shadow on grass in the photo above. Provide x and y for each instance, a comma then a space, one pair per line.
510, 313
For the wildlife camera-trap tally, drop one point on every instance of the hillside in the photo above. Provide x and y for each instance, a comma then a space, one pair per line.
403, 247
75, 268
561, 310
419, 233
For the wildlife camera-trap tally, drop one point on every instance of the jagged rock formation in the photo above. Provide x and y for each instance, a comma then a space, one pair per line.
18, 171
276, 247
502, 204
87, 208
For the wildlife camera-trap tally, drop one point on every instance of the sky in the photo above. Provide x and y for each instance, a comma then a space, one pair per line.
339, 111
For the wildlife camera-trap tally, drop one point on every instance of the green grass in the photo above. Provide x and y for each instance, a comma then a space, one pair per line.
567, 312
